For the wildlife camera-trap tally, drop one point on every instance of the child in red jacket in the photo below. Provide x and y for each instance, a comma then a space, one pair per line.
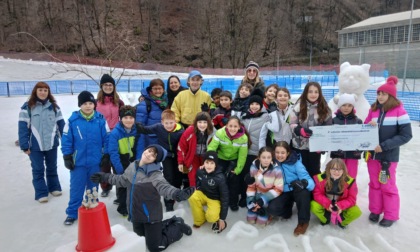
335, 195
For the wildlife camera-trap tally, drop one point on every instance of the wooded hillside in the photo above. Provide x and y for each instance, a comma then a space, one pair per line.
204, 33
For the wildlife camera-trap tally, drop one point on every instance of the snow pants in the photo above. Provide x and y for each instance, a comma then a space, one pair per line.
383, 198
352, 166
41, 171
197, 200
283, 204
348, 215
79, 183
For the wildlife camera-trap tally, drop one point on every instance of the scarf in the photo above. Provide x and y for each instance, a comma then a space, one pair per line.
161, 101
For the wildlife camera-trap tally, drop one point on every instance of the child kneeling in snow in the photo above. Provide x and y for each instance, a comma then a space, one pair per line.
145, 184
335, 195
212, 191
265, 182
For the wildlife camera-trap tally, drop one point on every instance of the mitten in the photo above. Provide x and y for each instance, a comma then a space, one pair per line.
299, 185
105, 161
249, 180
205, 107
184, 194
272, 107
98, 177
237, 106
384, 173
68, 162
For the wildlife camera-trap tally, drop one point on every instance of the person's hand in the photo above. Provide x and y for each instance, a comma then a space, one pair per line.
373, 123
27, 152
205, 107
105, 161
272, 107
222, 225
299, 185
260, 202
249, 180
68, 162
98, 177
378, 149
339, 153
181, 168
304, 132
237, 106
184, 194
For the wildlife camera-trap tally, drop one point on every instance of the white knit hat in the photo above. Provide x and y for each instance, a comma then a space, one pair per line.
347, 99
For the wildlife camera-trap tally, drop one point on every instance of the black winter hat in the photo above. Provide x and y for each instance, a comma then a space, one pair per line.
211, 155
127, 110
107, 78
160, 152
257, 96
85, 96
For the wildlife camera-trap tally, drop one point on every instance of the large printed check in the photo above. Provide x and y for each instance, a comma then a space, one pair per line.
344, 137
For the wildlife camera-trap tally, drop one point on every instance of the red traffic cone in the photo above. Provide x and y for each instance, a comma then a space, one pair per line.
94, 230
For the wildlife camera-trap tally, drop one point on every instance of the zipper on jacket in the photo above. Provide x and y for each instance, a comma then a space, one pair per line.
379, 122
80, 134
130, 211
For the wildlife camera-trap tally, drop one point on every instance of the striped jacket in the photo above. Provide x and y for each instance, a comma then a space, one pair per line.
268, 183
394, 131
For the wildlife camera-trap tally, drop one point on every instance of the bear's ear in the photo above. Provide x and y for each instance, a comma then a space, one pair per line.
355, 97
335, 99
366, 67
344, 66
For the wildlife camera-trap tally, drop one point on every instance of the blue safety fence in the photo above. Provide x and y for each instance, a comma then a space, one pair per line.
295, 84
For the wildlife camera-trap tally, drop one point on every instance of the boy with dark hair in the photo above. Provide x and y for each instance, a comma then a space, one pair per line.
145, 185
241, 103
212, 191
221, 115
84, 142
168, 133
215, 96
123, 149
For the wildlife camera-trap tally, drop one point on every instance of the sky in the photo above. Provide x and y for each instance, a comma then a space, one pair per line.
26, 224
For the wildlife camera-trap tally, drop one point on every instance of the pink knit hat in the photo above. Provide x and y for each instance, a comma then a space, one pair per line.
390, 87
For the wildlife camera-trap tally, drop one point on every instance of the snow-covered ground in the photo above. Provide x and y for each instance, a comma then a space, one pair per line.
27, 225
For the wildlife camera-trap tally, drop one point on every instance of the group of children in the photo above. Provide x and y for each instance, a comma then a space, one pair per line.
255, 146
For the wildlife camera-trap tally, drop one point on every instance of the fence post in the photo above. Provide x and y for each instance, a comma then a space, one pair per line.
8, 90
129, 88
71, 87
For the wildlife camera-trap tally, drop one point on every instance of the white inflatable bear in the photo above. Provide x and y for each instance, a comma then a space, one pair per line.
353, 79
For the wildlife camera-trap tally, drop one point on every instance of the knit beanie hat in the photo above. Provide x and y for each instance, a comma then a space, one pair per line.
257, 96
346, 99
85, 96
127, 111
211, 155
252, 64
390, 86
107, 78
160, 152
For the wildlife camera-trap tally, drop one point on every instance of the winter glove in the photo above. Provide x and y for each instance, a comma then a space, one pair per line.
357, 154
68, 162
249, 180
339, 153
139, 127
384, 173
205, 107
260, 202
299, 185
237, 106
184, 194
272, 107
98, 177
105, 161
225, 121
304, 132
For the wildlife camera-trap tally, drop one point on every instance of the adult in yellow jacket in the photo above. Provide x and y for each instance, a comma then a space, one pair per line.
191, 101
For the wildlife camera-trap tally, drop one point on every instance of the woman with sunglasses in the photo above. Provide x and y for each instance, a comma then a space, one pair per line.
252, 76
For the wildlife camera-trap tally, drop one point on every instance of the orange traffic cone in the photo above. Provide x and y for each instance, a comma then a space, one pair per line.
94, 230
